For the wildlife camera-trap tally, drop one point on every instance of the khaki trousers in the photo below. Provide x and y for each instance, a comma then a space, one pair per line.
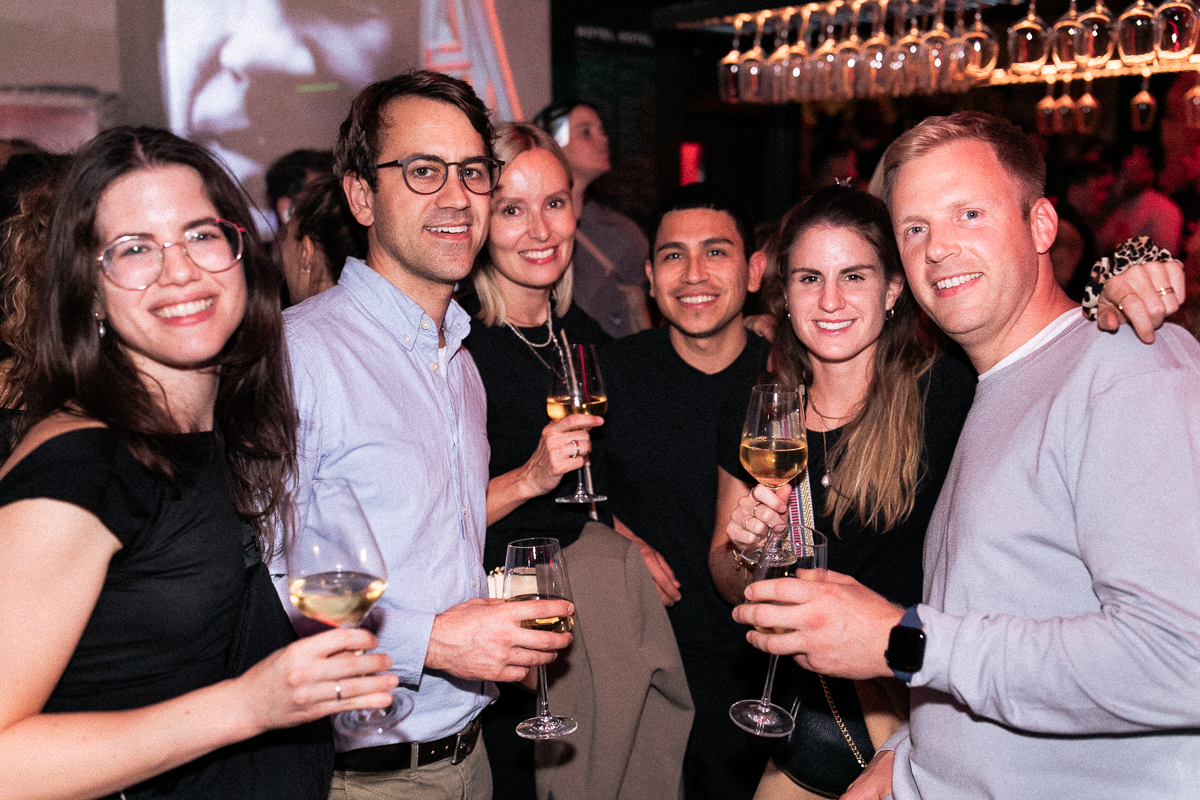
470, 780
885, 707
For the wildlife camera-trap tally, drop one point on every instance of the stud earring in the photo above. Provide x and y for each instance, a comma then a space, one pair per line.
100, 329
891, 312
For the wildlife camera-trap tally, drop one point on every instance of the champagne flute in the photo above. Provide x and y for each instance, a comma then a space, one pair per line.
577, 389
789, 549
534, 569
336, 574
773, 447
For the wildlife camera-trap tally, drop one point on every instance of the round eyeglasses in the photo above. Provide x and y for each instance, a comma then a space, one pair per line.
136, 262
427, 174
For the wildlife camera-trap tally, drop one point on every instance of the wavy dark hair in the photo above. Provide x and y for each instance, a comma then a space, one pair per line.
79, 371
323, 215
876, 465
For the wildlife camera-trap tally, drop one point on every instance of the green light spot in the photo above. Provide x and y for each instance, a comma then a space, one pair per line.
308, 88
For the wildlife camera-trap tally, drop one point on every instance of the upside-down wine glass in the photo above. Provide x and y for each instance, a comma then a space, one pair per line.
935, 52
534, 569
336, 574
847, 56
789, 549
1135, 35
983, 48
779, 63
1066, 33
751, 68
873, 67
1094, 42
1087, 109
1028, 43
576, 388
799, 83
1175, 29
1143, 107
727, 68
1064, 109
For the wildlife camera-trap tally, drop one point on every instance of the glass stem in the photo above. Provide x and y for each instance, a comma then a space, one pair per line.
766, 697
579, 480
543, 701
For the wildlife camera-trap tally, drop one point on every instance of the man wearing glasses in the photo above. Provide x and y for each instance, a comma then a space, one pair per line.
390, 401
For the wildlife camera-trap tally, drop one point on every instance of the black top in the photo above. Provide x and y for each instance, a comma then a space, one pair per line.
517, 384
886, 562
661, 459
180, 609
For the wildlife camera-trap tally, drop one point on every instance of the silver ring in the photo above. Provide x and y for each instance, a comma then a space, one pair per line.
337, 687
1166, 291
576, 453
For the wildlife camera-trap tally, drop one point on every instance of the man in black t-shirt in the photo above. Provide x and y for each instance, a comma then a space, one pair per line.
665, 389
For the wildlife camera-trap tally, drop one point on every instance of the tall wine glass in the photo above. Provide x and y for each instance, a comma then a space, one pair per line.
1135, 35
1028, 43
576, 388
846, 58
823, 57
534, 569
727, 67
1087, 109
336, 574
788, 550
982, 47
935, 52
1094, 43
799, 83
1175, 29
904, 54
1066, 33
873, 67
751, 68
779, 63
773, 447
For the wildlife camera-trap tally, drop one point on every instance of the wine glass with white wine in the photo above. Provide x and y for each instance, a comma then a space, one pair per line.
534, 569
336, 574
577, 388
774, 449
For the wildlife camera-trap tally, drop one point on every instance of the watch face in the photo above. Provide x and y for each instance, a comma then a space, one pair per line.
906, 649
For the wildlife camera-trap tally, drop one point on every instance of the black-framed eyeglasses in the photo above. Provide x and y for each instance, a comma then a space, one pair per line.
136, 262
426, 174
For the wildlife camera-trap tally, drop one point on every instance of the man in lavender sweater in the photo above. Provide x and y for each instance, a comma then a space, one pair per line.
1057, 653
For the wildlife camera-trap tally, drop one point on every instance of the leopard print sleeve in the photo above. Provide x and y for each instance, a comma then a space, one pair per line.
1139, 250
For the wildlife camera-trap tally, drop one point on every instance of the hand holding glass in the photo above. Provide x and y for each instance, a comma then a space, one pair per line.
782, 554
335, 575
534, 569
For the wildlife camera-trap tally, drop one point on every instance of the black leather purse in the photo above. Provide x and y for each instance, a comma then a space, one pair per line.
830, 745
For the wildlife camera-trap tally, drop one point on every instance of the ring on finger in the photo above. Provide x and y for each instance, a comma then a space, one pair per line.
1166, 290
337, 688
576, 453
1121, 307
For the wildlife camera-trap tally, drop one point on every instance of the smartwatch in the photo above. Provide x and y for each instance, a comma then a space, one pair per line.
906, 647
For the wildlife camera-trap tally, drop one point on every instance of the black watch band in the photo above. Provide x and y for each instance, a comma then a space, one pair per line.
906, 647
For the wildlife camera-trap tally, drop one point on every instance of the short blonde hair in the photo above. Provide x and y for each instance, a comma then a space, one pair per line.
1012, 147
512, 139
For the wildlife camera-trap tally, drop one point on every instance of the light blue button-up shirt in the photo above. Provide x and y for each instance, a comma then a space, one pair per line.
379, 408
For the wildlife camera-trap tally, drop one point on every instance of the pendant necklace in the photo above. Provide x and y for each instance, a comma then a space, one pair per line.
550, 339
825, 426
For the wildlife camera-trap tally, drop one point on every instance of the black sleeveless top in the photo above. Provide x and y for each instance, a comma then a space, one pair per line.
186, 603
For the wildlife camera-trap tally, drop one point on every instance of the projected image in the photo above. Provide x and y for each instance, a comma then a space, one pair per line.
254, 79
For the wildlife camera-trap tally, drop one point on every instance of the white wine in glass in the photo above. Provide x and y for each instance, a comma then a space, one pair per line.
534, 569
577, 388
774, 449
336, 573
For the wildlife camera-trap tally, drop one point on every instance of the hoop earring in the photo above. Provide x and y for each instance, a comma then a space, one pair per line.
891, 312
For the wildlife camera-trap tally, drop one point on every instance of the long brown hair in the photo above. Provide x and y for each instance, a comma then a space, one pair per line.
876, 465
79, 371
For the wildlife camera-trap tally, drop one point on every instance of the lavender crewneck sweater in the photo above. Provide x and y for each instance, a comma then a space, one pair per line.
1062, 582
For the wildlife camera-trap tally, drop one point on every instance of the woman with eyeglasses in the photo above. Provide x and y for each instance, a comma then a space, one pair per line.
146, 652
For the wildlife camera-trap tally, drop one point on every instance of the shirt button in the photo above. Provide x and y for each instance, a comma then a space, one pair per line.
474, 581
407, 339
424, 324
433, 367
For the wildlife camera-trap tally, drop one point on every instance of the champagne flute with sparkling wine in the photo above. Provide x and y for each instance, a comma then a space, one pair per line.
790, 549
335, 575
534, 569
576, 388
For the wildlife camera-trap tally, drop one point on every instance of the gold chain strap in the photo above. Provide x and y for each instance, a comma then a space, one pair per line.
842, 726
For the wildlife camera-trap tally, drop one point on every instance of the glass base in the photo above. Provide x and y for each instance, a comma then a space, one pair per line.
546, 727
761, 719
583, 497
370, 721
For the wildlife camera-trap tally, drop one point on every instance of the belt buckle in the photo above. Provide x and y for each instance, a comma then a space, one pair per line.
464, 743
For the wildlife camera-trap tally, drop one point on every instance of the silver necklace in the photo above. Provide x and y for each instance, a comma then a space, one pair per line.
533, 348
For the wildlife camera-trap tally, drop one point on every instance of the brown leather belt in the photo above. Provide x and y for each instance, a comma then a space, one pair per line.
406, 755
